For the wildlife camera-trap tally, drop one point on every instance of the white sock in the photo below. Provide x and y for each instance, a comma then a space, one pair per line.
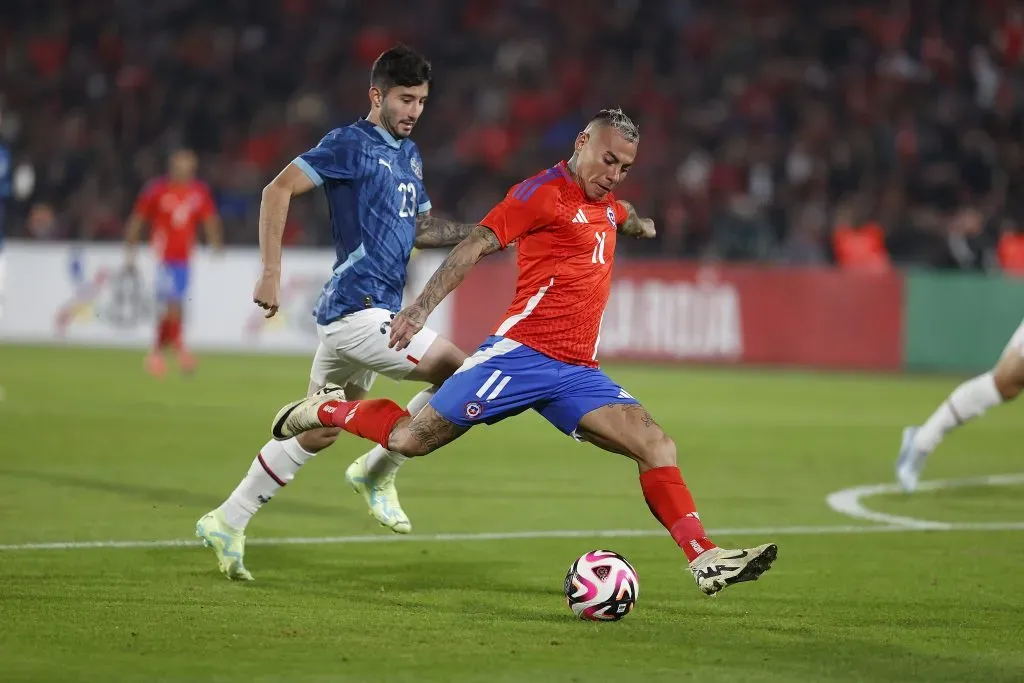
382, 461
968, 401
274, 467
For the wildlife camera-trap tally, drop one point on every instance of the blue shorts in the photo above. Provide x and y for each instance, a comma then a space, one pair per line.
171, 281
505, 378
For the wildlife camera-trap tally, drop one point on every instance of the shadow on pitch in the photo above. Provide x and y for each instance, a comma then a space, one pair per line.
163, 494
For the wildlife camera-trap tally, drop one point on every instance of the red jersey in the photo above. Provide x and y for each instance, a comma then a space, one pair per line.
566, 247
174, 212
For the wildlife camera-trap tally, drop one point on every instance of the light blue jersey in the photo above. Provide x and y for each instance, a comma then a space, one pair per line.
374, 188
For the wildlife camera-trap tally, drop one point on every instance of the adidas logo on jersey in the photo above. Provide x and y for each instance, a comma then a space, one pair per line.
580, 217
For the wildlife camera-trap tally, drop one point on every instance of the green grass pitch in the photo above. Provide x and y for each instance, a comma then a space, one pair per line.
94, 450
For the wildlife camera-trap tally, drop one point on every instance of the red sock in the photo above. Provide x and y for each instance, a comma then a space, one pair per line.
371, 419
162, 333
672, 504
174, 332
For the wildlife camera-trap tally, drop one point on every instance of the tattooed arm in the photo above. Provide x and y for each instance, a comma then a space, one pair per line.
634, 226
432, 231
410, 320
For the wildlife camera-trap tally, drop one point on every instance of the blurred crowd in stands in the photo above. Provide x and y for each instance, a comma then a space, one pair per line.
869, 134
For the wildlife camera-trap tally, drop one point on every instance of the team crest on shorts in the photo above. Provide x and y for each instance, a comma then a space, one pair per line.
417, 167
473, 410
610, 213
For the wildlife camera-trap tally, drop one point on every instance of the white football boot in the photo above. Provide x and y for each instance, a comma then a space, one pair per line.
301, 416
717, 568
911, 461
227, 542
380, 495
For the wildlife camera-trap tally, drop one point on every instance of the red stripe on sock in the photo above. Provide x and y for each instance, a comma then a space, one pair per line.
412, 360
269, 472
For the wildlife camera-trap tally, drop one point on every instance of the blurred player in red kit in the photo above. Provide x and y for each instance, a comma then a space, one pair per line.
543, 355
173, 206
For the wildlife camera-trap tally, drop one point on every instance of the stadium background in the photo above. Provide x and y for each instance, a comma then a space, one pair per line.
771, 132
864, 136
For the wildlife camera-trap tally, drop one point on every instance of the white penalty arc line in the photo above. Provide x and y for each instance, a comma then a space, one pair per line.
518, 535
848, 501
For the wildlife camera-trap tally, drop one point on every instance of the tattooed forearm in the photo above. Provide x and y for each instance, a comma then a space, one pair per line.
480, 242
634, 226
432, 231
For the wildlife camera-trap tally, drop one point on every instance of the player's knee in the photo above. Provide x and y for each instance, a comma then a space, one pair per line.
401, 441
658, 452
316, 440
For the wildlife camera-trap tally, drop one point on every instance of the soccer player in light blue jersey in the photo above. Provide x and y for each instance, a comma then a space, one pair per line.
371, 174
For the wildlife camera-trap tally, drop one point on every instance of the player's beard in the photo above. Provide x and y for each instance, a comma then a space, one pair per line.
392, 123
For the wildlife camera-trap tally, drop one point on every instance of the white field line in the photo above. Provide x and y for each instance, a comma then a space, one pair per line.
517, 535
848, 501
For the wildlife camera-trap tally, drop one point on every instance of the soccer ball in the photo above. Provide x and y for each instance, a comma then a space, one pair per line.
601, 586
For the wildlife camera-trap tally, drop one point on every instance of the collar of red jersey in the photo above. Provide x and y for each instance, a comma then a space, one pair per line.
563, 166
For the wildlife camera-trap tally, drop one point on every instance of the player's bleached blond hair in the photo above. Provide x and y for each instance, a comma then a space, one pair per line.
620, 121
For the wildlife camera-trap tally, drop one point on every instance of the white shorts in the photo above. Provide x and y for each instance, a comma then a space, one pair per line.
354, 349
1016, 342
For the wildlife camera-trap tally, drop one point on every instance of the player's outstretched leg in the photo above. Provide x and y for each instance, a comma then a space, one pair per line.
967, 402
628, 429
276, 464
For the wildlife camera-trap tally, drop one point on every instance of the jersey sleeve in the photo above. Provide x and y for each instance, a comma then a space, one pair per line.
146, 203
512, 217
620, 213
423, 204
334, 158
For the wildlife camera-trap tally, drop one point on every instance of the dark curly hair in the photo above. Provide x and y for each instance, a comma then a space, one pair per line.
400, 66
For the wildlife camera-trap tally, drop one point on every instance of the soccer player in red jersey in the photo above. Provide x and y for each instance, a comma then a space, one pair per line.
543, 355
173, 206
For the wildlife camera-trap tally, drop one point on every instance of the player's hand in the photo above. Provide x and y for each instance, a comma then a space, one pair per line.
647, 231
406, 324
267, 293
